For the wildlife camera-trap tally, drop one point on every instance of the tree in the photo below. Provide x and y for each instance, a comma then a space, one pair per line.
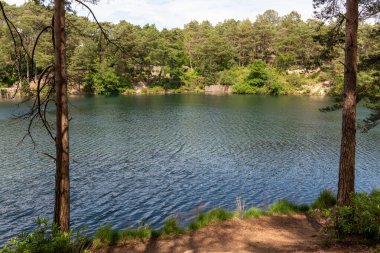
346, 184
62, 176
52, 78
266, 29
331, 9
370, 63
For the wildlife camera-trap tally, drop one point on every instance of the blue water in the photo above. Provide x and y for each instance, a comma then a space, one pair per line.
143, 159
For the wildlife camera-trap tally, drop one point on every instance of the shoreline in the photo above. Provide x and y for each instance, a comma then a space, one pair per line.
218, 90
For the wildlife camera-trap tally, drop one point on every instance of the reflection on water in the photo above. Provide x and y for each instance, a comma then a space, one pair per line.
147, 158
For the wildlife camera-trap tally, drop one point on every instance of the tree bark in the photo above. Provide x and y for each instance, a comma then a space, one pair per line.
346, 185
27, 71
62, 180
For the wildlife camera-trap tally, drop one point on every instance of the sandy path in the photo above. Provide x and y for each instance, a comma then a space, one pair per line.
287, 233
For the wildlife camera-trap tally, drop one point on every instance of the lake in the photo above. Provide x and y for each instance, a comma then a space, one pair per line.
143, 159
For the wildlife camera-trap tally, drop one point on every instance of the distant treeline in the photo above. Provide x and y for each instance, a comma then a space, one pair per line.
257, 57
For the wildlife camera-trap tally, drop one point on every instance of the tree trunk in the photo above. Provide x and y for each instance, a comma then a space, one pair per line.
62, 180
27, 70
346, 184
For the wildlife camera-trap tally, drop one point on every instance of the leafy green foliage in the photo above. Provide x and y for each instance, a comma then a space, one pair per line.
233, 52
258, 74
276, 89
233, 76
361, 218
47, 239
325, 200
243, 89
105, 81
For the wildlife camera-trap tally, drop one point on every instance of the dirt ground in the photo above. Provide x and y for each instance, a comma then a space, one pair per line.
286, 233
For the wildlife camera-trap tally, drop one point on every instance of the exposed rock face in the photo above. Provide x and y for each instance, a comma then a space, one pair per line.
139, 87
319, 89
218, 89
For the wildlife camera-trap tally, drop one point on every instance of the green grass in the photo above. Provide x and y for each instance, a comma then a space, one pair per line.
254, 213
325, 200
216, 215
287, 207
143, 234
171, 228
106, 236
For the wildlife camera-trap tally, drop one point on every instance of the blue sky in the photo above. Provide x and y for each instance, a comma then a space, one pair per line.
176, 13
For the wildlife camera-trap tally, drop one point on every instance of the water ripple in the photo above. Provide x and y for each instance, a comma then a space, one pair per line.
145, 159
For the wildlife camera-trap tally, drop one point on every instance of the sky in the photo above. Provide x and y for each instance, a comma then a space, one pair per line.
176, 13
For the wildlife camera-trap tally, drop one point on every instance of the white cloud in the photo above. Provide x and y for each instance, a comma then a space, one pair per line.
176, 13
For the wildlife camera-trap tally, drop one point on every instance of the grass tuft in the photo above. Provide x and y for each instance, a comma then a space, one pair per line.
143, 234
254, 213
216, 215
106, 236
325, 200
287, 207
171, 228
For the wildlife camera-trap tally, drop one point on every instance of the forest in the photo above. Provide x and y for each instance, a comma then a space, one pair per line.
273, 54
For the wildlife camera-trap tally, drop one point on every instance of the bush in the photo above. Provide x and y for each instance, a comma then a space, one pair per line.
361, 219
216, 215
295, 80
286, 207
40, 240
104, 80
276, 89
192, 80
129, 91
325, 200
258, 74
243, 89
233, 76
156, 90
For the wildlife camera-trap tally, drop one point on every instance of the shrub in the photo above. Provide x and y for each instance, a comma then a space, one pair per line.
216, 215
276, 89
258, 73
156, 90
104, 80
325, 200
40, 240
243, 89
233, 76
286, 207
295, 79
129, 91
191, 79
362, 218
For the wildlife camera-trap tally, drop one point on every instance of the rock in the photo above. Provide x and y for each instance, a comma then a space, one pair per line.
218, 89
